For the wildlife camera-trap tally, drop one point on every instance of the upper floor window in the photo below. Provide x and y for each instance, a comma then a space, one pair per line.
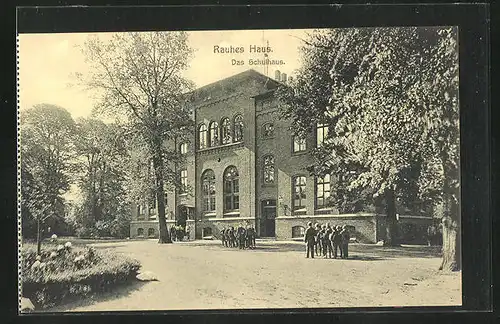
299, 192
322, 191
225, 131
238, 128
299, 144
214, 134
321, 133
184, 181
202, 139
268, 130
208, 190
231, 189
268, 169
183, 148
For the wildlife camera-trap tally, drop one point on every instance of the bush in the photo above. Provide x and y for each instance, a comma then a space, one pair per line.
64, 272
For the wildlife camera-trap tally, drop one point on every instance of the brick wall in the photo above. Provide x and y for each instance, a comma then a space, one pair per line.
365, 225
147, 225
216, 225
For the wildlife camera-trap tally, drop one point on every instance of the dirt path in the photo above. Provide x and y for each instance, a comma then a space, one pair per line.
204, 275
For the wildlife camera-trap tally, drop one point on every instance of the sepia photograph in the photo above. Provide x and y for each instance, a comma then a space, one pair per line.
239, 169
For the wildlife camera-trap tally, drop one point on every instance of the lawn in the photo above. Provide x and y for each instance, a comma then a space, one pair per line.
205, 275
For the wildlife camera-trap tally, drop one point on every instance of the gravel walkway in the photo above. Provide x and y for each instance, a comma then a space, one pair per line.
205, 275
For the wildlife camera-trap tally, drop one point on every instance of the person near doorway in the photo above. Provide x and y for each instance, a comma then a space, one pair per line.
309, 239
317, 247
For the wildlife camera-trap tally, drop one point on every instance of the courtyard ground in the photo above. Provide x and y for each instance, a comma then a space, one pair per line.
205, 275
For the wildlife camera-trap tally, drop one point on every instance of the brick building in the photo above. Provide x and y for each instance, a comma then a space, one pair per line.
243, 165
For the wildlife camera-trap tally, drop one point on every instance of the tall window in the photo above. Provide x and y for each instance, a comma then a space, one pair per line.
214, 134
183, 148
184, 181
231, 189
268, 130
268, 169
322, 191
299, 144
225, 131
321, 133
238, 128
202, 139
208, 190
299, 192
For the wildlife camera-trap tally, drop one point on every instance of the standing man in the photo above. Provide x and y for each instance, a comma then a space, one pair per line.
317, 247
345, 242
328, 237
336, 241
309, 239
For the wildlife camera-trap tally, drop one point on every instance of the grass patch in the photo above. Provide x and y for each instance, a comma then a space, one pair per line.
65, 272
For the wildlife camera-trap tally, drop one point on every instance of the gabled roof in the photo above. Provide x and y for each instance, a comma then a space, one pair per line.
226, 83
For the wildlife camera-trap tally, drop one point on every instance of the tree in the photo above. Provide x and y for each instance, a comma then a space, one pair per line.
46, 133
376, 89
101, 150
140, 78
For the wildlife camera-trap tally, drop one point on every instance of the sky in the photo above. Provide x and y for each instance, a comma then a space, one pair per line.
47, 63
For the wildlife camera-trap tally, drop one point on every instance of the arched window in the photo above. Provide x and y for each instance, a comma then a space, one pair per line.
268, 166
208, 190
298, 231
214, 134
151, 232
140, 231
202, 136
183, 148
299, 144
225, 131
321, 133
322, 191
268, 130
299, 193
231, 189
238, 128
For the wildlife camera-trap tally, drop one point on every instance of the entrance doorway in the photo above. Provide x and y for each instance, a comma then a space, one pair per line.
268, 218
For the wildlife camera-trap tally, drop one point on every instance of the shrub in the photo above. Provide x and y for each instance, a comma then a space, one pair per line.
62, 274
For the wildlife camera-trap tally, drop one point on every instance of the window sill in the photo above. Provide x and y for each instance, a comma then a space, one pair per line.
210, 214
299, 153
219, 146
232, 213
273, 184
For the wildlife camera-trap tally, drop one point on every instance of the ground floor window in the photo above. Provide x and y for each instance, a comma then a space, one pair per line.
207, 231
299, 193
322, 191
140, 232
151, 232
298, 231
231, 189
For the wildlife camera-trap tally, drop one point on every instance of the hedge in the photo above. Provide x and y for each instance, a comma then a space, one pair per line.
61, 274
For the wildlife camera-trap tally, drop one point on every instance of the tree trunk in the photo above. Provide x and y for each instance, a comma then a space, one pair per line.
164, 236
392, 225
452, 239
38, 237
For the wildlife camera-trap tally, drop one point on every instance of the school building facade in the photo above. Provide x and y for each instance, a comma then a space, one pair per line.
244, 166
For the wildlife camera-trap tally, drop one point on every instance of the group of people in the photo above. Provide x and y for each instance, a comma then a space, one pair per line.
177, 233
327, 241
242, 237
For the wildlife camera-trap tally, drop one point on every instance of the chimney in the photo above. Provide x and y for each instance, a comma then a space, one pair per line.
277, 75
283, 77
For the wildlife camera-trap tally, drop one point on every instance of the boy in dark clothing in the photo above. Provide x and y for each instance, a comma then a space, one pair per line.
309, 239
223, 237
317, 239
324, 240
328, 240
336, 241
345, 242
